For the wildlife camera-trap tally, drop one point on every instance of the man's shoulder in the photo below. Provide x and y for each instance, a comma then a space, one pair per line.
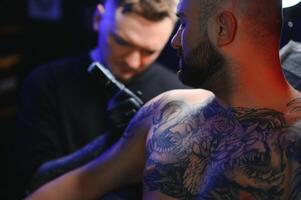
61, 65
179, 100
59, 69
190, 96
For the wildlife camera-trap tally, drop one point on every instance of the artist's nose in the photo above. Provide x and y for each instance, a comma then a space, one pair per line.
134, 59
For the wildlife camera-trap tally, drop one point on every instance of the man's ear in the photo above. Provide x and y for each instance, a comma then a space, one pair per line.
227, 27
98, 14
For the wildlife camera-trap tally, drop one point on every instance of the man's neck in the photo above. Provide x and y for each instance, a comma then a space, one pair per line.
255, 85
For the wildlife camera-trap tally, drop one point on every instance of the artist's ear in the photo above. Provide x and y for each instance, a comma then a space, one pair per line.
98, 14
226, 28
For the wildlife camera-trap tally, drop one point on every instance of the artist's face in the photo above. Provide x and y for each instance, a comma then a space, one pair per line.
199, 59
129, 43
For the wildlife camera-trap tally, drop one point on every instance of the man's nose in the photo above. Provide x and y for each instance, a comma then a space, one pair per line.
176, 40
134, 59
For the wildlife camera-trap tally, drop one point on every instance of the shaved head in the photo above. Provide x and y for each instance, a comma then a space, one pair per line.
249, 7
212, 34
263, 18
209, 8
264, 15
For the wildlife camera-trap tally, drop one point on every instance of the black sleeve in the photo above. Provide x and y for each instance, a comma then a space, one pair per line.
37, 128
40, 142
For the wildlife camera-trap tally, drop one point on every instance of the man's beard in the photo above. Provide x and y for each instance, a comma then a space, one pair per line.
200, 64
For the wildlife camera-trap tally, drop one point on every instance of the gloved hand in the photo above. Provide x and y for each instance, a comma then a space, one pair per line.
120, 110
123, 103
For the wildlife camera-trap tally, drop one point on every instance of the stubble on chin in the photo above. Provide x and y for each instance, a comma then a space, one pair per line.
200, 65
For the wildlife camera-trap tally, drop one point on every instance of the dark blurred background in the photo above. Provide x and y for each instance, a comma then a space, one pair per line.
33, 32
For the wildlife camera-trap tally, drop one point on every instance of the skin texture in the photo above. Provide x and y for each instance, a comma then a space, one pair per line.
125, 46
240, 141
214, 152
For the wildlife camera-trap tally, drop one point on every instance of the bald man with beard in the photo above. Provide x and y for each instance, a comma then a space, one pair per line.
239, 139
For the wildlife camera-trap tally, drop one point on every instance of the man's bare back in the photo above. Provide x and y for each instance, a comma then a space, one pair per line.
205, 150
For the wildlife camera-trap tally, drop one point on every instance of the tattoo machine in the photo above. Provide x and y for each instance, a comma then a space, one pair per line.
105, 78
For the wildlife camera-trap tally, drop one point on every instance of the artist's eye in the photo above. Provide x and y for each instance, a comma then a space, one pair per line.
120, 41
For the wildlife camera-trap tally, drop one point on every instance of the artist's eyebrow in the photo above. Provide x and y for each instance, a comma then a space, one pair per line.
119, 39
124, 42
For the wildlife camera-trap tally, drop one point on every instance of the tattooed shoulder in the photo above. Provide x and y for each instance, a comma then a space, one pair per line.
210, 151
143, 114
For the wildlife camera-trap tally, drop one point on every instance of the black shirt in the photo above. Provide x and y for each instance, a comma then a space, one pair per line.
61, 109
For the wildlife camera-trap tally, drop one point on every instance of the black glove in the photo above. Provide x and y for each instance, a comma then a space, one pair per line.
123, 103
120, 110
